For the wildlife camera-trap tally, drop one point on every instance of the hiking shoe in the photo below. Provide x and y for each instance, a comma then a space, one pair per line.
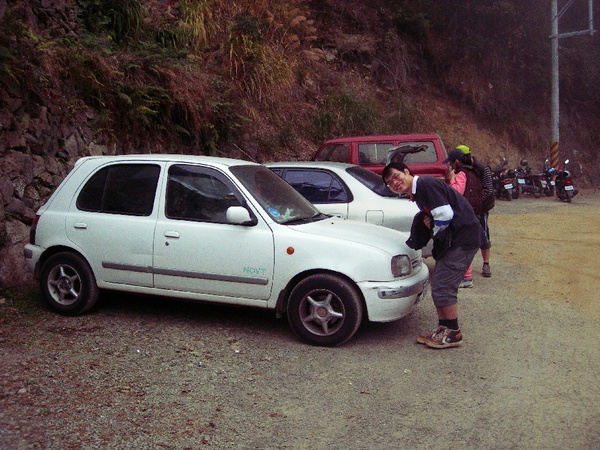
422, 338
485, 270
466, 283
444, 338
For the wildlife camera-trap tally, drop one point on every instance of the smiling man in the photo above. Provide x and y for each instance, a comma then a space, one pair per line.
457, 236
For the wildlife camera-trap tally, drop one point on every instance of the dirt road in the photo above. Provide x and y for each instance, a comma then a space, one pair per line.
149, 373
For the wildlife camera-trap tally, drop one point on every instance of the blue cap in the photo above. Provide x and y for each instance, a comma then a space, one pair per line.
453, 156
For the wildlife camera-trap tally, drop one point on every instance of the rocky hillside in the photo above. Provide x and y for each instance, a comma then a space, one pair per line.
262, 80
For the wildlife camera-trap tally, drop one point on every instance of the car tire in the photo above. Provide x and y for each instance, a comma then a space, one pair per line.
68, 284
325, 310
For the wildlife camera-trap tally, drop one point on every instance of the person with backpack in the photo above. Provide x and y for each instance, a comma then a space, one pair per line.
474, 180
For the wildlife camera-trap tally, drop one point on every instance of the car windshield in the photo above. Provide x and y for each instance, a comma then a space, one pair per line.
371, 180
280, 200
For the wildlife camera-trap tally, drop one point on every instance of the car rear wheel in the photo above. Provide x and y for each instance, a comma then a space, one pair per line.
325, 310
68, 284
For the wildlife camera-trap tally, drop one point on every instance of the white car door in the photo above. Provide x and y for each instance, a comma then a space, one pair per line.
197, 250
112, 222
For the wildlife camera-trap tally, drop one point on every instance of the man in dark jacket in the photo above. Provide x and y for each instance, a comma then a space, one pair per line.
457, 236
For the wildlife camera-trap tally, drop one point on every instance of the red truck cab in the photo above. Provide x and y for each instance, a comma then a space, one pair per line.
423, 153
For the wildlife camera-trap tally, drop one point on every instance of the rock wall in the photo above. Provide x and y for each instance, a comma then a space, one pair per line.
38, 147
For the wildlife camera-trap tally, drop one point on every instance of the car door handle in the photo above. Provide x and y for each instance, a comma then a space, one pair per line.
80, 225
172, 234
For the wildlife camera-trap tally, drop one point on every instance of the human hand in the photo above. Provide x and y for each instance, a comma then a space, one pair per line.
427, 221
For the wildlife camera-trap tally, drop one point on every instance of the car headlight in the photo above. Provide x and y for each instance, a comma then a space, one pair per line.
401, 266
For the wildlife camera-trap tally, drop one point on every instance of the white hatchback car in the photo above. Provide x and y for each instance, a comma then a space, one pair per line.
217, 230
349, 191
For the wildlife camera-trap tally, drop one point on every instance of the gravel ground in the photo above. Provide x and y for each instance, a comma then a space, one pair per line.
150, 373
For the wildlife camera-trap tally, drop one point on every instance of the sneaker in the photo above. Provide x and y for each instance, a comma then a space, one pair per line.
466, 283
444, 338
421, 339
485, 270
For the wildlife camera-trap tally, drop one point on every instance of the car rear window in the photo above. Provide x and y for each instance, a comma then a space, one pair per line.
371, 180
121, 189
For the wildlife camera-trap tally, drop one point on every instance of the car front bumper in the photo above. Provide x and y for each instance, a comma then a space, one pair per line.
387, 302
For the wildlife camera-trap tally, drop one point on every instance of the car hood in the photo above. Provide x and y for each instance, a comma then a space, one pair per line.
334, 228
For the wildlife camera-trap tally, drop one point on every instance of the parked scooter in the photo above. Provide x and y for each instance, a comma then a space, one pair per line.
529, 183
548, 179
565, 188
502, 180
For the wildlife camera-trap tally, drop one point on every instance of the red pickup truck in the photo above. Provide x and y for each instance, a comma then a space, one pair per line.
422, 153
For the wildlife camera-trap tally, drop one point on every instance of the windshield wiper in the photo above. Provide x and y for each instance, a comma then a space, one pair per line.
314, 218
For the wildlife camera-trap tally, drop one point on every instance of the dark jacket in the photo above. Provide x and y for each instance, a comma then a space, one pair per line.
454, 222
420, 235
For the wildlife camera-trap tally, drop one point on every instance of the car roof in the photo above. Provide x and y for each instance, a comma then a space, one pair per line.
386, 137
312, 164
213, 160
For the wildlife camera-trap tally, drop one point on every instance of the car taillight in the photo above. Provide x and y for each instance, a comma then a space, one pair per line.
33, 229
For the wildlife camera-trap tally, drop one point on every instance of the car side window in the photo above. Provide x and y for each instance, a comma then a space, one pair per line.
317, 186
373, 153
199, 194
335, 152
121, 189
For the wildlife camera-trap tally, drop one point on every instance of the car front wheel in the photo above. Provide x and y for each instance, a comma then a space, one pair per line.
68, 284
325, 310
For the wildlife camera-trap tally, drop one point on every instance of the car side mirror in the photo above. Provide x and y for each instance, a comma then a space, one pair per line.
240, 216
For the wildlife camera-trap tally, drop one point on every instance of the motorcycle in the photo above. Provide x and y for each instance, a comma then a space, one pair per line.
548, 179
502, 181
529, 183
565, 188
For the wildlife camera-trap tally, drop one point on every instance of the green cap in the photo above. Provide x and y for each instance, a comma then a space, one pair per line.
463, 148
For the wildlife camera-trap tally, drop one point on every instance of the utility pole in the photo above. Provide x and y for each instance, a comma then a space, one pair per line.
555, 109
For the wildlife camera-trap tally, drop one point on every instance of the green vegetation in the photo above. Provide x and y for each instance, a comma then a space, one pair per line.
345, 115
199, 75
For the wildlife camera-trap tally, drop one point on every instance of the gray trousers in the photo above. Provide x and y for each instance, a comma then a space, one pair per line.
447, 274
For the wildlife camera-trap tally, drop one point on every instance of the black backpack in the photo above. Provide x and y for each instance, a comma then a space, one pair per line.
474, 189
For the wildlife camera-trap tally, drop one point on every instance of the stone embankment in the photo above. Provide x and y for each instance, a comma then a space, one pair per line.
38, 146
